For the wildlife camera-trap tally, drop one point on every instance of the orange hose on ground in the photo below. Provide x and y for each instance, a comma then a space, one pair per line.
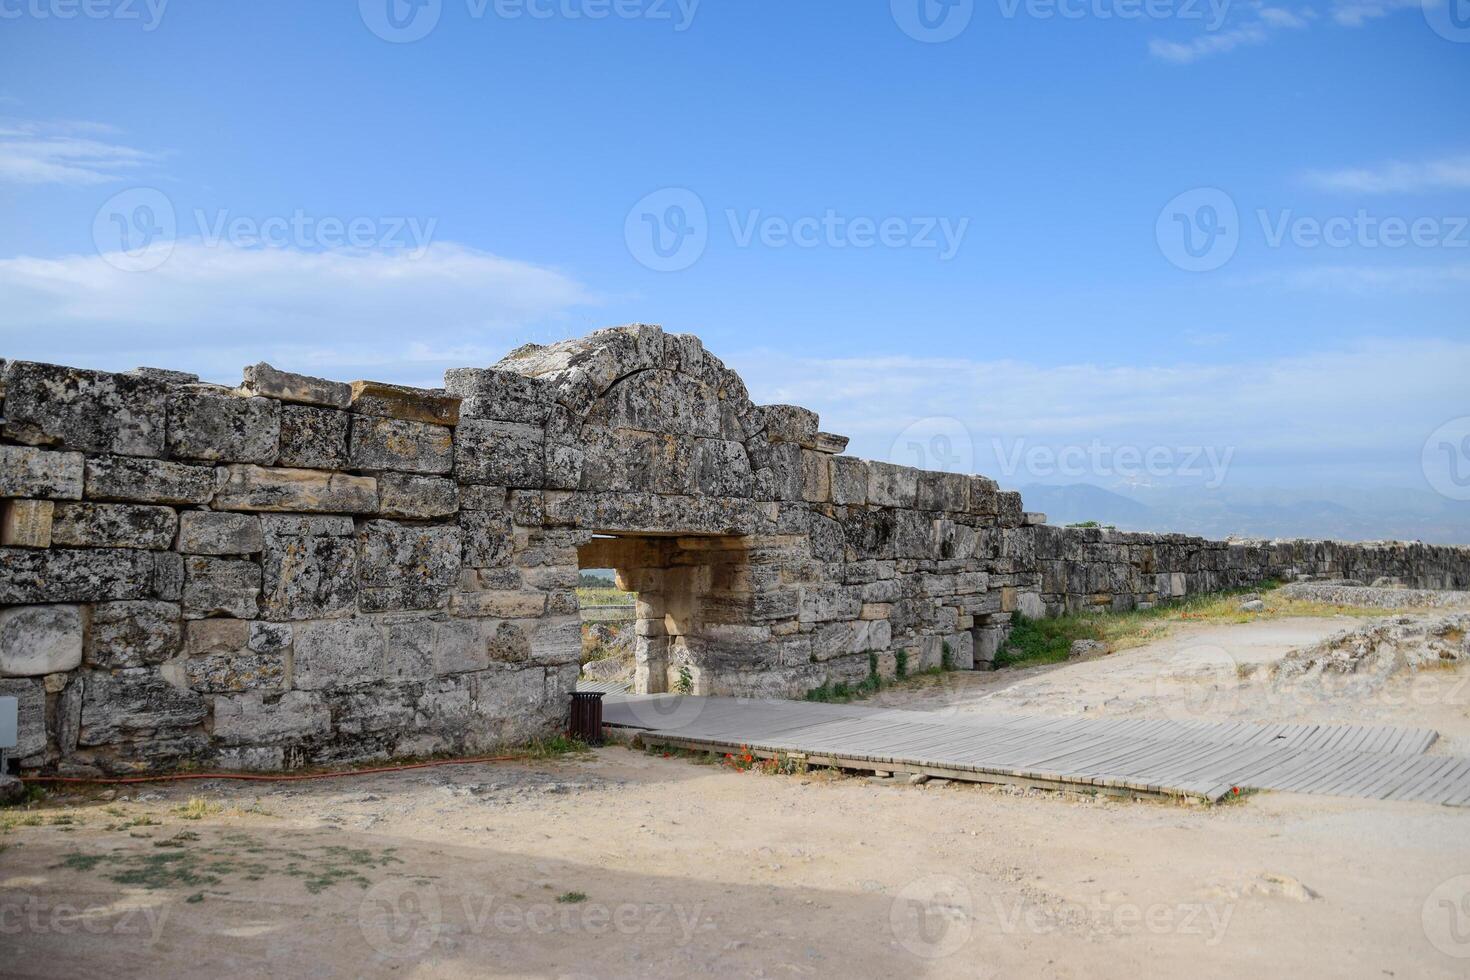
266, 778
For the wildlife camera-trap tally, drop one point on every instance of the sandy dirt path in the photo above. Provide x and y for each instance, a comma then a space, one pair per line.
670, 868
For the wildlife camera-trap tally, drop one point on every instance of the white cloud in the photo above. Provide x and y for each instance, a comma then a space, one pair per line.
1329, 409
1356, 13
65, 153
404, 315
1217, 42
1445, 173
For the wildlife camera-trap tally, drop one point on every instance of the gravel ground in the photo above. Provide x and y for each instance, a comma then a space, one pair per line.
1363, 595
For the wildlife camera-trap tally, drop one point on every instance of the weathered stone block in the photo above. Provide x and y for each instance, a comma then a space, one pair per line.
27, 523
229, 673
215, 635
269, 637
416, 497
823, 603
892, 486
395, 444
409, 404
255, 488
166, 580
313, 438
32, 576
498, 605
849, 480
90, 411
337, 653
409, 645
309, 568
943, 491
132, 634
488, 538
203, 532
507, 454
218, 425
262, 379
26, 471
148, 481
826, 442
502, 396
221, 587
816, 477
556, 640
256, 718
38, 640
406, 566
791, 423
136, 704
89, 525
722, 469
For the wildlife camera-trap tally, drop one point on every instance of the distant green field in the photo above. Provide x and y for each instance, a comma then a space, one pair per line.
604, 597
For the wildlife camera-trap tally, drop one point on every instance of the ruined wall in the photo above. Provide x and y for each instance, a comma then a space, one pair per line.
296, 571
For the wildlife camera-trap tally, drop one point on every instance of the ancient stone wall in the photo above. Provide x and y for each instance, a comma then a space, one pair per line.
297, 571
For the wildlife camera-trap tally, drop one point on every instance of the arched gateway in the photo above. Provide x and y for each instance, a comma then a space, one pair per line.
298, 571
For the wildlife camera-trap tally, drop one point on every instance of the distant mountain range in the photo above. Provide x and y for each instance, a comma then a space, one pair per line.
1348, 515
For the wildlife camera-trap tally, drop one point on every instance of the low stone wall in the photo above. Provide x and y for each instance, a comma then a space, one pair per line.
1087, 568
297, 571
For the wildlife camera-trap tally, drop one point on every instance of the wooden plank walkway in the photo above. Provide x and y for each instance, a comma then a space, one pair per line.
1130, 755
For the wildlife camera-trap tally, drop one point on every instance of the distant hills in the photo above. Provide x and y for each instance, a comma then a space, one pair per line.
1344, 514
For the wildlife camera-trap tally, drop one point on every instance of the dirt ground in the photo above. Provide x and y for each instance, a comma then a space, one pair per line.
620, 863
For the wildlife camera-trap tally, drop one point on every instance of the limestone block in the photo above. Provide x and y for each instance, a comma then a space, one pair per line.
890, 485
1009, 509
313, 438
488, 539
849, 480
943, 491
984, 496
778, 471
27, 523
416, 497
507, 454
410, 404
961, 651
26, 471
203, 532
790, 423
722, 469
659, 401
166, 578
822, 603
205, 422
230, 673
89, 525
410, 644
501, 396
148, 481
309, 567
90, 411
405, 566
294, 716
337, 653
215, 636
913, 535
30, 696
221, 587
511, 643
262, 379
816, 477
165, 375
39, 640
498, 604
256, 488
396, 444
32, 576
132, 634
556, 640
478, 497
136, 704
831, 444
269, 637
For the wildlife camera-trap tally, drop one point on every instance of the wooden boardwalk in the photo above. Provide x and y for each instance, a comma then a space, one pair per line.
1170, 758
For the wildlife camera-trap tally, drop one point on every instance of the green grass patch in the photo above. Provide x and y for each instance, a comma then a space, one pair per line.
572, 898
555, 747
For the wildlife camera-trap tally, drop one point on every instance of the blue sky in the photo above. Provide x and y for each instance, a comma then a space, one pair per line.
1033, 175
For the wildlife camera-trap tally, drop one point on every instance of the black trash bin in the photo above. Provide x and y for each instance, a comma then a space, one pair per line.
587, 716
